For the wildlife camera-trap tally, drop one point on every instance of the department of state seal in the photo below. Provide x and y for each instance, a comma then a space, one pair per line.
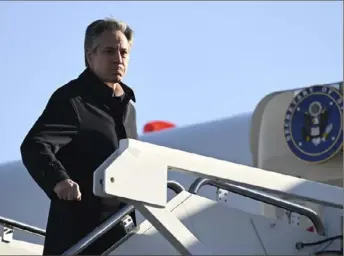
313, 124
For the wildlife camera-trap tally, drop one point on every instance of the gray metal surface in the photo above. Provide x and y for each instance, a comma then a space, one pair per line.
278, 202
110, 223
21, 226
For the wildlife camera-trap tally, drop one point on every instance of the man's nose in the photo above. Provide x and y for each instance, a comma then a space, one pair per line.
118, 58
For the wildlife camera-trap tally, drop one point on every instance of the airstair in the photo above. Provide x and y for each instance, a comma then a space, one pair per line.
302, 202
190, 224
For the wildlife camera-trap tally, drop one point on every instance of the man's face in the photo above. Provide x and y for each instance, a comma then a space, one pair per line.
110, 56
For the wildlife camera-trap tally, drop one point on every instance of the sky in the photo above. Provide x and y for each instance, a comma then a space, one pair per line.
191, 61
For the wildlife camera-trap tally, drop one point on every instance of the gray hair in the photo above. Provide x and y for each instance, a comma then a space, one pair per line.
96, 28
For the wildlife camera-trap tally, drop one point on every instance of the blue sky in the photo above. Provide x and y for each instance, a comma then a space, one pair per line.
191, 61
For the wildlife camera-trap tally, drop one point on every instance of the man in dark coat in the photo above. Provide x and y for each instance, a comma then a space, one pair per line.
79, 128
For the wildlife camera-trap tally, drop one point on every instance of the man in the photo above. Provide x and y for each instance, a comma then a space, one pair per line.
79, 128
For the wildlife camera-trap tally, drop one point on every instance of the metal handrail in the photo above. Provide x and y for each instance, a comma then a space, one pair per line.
99, 231
171, 184
110, 223
175, 186
119, 243
278, 202
21, 226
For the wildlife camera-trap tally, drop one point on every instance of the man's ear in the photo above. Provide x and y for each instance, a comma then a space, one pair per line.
88, 57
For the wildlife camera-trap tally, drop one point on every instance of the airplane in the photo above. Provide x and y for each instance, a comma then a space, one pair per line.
262, 138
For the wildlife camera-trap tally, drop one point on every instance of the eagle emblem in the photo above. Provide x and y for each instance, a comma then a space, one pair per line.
313, 124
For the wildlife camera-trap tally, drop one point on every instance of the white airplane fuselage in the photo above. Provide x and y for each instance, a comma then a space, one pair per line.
227, 139
253, 139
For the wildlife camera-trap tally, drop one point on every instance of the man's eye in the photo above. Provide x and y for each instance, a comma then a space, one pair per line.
108, 51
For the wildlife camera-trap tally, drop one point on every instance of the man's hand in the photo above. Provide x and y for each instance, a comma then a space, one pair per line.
67, 190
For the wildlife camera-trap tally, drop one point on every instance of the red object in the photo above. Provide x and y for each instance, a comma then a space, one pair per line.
155, 126
310, 229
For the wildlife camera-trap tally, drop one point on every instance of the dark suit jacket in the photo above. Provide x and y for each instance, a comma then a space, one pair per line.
79, 128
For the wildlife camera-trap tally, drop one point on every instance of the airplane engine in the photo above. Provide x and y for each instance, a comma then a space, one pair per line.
300, 133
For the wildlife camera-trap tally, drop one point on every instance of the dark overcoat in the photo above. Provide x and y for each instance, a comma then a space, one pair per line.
79, 128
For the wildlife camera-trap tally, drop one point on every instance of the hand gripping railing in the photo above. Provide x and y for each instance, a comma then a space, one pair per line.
278, 202
110, 223
12, 224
